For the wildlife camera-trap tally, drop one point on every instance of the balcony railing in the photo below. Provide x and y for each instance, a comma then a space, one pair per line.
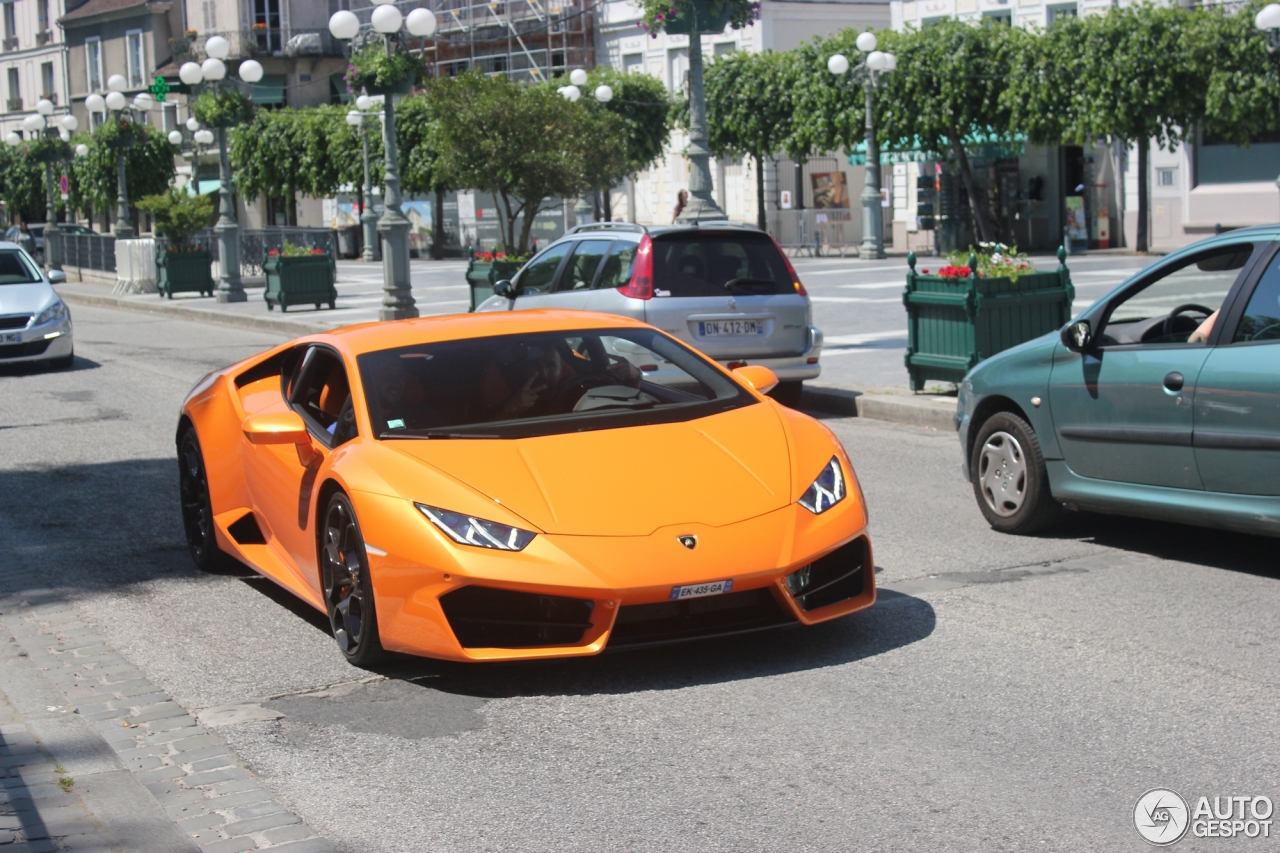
44, 37
14, 105
52, 96
11, 43
261, 41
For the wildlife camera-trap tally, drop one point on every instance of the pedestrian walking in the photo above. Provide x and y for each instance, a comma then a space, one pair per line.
681, 200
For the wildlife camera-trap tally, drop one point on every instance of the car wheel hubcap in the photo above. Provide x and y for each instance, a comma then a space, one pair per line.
344, 578
1002, 474
194, 489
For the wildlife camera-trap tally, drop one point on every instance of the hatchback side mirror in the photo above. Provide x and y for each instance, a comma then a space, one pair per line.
1077, 336
505, 289
57, 277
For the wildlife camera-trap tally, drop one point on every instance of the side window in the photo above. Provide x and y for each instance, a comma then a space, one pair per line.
1181, 305
580, 272
1261, 320
322, 395
538, 275
618, 264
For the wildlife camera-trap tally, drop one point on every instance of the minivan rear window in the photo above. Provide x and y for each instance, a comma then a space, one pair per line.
707, 263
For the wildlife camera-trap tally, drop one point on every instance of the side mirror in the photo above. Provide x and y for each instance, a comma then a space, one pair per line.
57, 277
1077, 336
505, 289
281, 428
757, 376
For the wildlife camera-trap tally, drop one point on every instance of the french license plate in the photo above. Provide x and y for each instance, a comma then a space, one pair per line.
698, 590
729, 328
12, 337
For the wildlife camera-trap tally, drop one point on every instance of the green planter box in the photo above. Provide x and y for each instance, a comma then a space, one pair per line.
483, 276
299, 280
184, 272
954, 323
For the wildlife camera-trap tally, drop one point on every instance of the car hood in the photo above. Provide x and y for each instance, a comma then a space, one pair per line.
24, 298
628, 482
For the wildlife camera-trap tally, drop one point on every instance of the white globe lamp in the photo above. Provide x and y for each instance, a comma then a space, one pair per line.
838, 64
44, 106
213, 68
344, 25
175, 137
193, 124
190, 73
217, 47
421, 22
578, 77
354, 119
876, 60
82, 150
95, 103
115, 101
13, 138
250, 71
604, 93
866, 42
1268, 18
386, 19
32, 123
117, 83
70, 122
364, 103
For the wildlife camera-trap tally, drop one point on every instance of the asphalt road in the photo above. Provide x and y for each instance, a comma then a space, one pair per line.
1004, 693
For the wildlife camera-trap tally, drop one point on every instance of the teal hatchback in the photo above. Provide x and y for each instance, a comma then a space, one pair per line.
1161, 400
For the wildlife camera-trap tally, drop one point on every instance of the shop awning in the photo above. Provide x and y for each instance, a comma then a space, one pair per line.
204, 188
978, 145
270, 90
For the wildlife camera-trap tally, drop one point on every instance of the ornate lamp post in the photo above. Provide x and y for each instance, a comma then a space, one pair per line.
117, 105
212, 71
387, 22
604, 94
39, 123
1268, 20
875, 63
702, 203
360, 118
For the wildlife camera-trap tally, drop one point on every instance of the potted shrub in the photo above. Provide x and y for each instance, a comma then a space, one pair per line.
182, 266
485, 269
974, 307
298, 275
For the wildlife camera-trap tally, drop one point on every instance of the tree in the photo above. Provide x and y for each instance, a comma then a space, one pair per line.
22, 183
1239, 75
421, 172
943, 98
750, 109
312, 151
148, 166
1127, 74
644, 113
526, 145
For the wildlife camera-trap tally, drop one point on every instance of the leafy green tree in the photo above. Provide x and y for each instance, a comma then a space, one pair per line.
526, 145
312, 151
148, 165
1128, 74
1240, 77
750, 109
421, 172
22, 184
643, 109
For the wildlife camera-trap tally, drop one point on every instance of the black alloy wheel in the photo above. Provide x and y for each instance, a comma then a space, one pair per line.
1009, 477
348, 593
197, 511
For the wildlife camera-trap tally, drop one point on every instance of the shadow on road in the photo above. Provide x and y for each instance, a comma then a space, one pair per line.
30, 368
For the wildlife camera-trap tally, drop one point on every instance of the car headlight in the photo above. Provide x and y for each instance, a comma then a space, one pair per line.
468, 530
56, 311
826, 491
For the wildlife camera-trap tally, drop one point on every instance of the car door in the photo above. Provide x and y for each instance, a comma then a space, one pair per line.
534, 283
1237, 404
318, 389
1123, 408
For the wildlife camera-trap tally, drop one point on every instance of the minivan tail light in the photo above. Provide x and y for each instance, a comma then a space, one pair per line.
795, 279
641, 284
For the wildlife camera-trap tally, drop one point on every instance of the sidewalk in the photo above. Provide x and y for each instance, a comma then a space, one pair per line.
96, 758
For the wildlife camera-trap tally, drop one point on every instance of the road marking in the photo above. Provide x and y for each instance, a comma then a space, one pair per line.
854, 299
863, 338
875, 285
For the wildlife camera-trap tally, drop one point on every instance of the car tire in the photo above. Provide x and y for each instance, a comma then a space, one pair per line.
197, 510
788, 393
1009, 477
348, 588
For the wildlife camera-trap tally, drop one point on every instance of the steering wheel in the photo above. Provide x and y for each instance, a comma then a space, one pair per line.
1267, 332
1169, 322
571, 392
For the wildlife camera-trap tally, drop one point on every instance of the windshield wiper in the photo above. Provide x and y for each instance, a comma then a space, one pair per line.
424, 433
748, 282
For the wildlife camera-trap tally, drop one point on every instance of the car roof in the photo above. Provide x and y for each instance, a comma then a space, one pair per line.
371, 337
633, 231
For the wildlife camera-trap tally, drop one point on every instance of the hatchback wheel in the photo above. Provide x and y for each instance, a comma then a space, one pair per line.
348, 592
1009, 476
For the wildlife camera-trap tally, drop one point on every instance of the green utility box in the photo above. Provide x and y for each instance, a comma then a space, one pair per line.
184, 272
299, 280
954, 323
483, 275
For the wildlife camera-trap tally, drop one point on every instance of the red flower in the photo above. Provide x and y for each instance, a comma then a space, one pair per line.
487, 257
924, 272
950, 271
501, 256
273, 252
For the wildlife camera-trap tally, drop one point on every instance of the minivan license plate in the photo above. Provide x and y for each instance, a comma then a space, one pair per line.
729, 328
698, 590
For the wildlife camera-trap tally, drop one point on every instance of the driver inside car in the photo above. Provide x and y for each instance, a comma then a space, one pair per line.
533, 380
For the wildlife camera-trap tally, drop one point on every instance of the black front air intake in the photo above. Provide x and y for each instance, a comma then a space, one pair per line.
671, 621
26, 350
836, 577
482, 618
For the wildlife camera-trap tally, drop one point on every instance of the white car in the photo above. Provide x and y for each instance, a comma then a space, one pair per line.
35, 324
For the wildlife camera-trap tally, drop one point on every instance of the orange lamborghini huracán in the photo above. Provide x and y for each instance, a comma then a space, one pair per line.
521, 485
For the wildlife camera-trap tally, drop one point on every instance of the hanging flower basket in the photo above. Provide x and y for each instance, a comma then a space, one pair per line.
380, 73
679, 17
222, 108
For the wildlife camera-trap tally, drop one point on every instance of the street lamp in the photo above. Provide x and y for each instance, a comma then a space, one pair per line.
359, 118
603, 94
388, 22
212, 71
39, 123
1268, 20
117, 104
875, 63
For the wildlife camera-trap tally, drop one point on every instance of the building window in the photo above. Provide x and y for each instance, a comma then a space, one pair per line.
678, 65
266, 24
1166, 177
170, 117
15, 91
210, 16
96, 120
633, 62
1057, 14
721, 48
1000, 17
134, 57
48, 89
93, 62
10, 27
42, 15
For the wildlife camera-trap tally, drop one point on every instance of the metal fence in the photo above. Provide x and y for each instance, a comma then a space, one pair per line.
89, 251
254, 242
831, 231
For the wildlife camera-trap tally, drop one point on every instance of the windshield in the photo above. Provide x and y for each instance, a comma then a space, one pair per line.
702, 263
516, 386
16, 268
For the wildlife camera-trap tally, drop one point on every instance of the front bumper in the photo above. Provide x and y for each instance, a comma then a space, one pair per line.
37, 343
570, 596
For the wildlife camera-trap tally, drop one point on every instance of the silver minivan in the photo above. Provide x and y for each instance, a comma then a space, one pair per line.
724, 288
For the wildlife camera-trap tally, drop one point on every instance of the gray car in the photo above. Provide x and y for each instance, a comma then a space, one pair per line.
35, 324
724, 288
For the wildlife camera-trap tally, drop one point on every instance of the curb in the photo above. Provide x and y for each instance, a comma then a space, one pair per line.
895, 408
182, 312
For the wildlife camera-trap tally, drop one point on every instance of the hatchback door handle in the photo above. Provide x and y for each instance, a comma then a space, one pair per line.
1174, 381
